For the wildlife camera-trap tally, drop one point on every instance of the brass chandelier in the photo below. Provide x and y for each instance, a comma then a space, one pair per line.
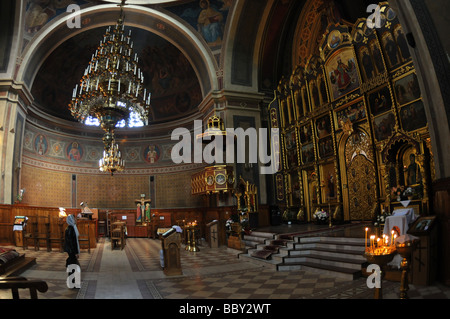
111, 89
112, 159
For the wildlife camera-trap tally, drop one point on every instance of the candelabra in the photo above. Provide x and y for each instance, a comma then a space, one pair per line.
379, 251
112, 159
111, 88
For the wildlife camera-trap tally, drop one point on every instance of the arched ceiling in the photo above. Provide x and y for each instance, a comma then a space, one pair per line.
167, 72
178, 64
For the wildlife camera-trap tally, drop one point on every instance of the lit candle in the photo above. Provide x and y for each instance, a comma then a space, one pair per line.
365, 243
392, 238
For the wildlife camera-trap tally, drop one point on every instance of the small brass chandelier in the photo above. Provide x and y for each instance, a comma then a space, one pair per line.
111, 89
112, 159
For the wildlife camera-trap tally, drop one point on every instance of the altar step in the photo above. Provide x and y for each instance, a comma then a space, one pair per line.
339, 256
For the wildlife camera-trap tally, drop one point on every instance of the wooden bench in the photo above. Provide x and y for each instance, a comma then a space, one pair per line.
16, 283
37, 230
118, 235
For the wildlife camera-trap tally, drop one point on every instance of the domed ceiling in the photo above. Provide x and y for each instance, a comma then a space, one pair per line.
167, 74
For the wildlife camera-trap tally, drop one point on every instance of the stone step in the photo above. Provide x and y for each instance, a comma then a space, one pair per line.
254, 238
272, 264
263, 234
344, 254
332, 240
334, 261
340, 272
330, 247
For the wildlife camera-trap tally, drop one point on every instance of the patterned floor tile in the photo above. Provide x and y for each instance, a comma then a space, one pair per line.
208, 274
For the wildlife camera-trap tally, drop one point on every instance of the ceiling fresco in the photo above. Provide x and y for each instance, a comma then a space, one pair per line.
167, 74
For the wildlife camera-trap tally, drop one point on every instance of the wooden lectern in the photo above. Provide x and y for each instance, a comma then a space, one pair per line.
170, 244
213, 234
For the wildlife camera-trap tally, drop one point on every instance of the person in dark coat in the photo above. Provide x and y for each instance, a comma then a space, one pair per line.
71, 244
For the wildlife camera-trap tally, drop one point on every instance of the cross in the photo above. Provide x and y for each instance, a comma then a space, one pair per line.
143, 201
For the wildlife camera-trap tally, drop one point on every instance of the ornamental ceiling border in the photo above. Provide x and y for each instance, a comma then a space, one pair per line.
129, 171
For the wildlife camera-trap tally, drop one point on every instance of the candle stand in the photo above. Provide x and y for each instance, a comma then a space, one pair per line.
379, 251
381, 259
405, 250
191, 244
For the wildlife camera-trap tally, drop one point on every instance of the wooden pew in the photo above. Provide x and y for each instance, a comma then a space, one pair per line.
16, 283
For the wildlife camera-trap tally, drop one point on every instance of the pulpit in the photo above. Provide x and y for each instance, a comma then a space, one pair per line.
213, 235
424, 258
170, 244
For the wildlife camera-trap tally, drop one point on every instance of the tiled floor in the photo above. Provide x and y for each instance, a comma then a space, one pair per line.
135, 273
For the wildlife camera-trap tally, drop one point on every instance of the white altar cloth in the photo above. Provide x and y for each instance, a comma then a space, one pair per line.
401, 218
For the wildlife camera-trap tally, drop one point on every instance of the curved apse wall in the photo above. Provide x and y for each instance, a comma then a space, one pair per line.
61, 170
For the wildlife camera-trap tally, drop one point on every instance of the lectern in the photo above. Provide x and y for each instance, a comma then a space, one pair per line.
170, 244
213, 234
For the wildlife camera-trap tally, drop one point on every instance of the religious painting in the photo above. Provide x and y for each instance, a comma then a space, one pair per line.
323, 126
56, 149
74, 152
366, 62
315, 99
40, 144
342, 73
295, 188
308, 153
152, 154
291, 148
407, 89
328, 177
313, 186
334, 39
325, 147
306, 134
383, 126
377, 56
323, 89
380, 101
391, 49
402, 42
413, 116
358, 36
39, 12
390, 14
412, 173
207, 16
354, 112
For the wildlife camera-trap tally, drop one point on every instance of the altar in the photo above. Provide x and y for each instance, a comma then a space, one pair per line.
401, 219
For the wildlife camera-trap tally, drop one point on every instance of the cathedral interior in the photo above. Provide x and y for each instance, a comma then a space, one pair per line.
347, 100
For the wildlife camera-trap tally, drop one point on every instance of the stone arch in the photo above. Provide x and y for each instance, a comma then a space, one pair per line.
164, 25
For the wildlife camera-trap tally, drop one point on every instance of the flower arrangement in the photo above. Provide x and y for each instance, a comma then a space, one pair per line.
320, 215
228, 223
409, 192
20, 195
381, 219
